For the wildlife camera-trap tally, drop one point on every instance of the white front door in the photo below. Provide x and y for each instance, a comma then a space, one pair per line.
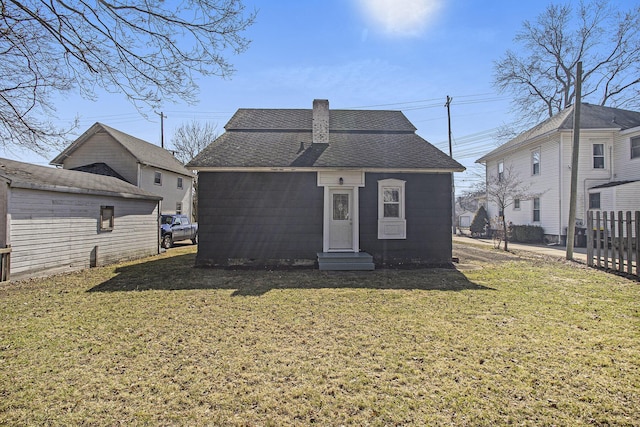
341, 220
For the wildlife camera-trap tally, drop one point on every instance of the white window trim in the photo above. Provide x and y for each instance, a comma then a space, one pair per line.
631, 141
154, 178
391, 228
603, 156
180, 183
533, 156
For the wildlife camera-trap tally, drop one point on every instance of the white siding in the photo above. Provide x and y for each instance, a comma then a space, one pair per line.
53, 231
169, 190
102, 148
624, 167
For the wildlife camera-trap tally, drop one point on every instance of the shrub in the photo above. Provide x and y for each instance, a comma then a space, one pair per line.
480, 222
526, 233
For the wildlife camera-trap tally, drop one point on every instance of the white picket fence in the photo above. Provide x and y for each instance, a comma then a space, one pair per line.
613, 241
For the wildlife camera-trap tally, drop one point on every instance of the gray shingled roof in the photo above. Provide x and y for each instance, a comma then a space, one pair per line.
143, 151
99, 169
591, 117
26, 175
280, 138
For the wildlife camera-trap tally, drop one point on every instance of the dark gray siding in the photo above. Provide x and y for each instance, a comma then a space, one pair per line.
258, 218
428, 215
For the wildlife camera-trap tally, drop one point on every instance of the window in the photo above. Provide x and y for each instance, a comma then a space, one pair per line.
516, 204
535, 162
106, 218
157, 178
178, 208
391, 214
536, 209
180, 183
635, 147
500, 171
598, 156
594, 200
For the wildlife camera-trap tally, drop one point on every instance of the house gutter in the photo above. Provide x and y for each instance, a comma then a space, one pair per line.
293, 169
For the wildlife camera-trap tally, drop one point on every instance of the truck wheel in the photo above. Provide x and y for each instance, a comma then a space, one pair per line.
195, 240
167, 241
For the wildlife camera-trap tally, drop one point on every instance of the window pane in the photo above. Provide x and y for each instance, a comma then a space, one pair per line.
340, 207
635, 147
598, 149
391, 195
598, 162
594, 201
391, 210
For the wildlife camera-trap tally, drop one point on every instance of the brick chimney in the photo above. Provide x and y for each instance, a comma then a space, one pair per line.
320, 125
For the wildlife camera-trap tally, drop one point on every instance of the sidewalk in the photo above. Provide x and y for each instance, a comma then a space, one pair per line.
579, 254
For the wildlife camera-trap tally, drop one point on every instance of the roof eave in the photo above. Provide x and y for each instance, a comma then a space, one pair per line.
323, 169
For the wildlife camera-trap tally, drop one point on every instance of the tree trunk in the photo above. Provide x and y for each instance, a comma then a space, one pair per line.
506, 236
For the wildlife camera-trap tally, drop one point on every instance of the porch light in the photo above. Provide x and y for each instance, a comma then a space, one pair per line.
341, 181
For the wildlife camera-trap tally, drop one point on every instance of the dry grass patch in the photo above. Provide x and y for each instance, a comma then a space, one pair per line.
519, 340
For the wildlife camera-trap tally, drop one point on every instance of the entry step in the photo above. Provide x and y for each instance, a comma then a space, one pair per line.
345, 261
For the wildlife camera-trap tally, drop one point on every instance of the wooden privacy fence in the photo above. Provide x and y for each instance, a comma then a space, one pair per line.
613, 241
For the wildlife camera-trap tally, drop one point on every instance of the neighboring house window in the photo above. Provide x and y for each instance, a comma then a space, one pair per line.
635, 147
594, 201
180, 183
535, 162
157, 178
536, 209
516, 204
106, 218
500, 171
391, 215
178, 208
598, 156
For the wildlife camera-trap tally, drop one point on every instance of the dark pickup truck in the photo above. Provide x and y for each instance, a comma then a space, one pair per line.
174, 228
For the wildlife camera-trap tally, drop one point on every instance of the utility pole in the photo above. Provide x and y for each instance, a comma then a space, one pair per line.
162, 117
574, 163
453, 187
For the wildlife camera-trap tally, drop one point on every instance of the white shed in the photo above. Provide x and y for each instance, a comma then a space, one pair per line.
58, 220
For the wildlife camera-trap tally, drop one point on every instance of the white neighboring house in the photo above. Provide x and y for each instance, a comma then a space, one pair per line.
106, 151
58, 220
608, 169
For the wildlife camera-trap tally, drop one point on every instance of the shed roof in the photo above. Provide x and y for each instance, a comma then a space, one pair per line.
27, 175
282, 138
591, 117
143, 151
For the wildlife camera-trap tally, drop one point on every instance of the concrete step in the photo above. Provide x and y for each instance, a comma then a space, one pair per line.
345, 261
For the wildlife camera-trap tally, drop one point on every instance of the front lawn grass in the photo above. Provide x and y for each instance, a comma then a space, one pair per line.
506, 339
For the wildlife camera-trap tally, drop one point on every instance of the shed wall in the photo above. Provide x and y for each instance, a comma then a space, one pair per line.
53, 231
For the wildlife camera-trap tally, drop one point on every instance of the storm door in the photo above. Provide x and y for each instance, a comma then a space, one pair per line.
341, 220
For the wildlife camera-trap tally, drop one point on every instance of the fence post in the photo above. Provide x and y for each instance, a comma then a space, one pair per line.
590, 238
620, 241
638, 243
598, 240
629, 240
605, 238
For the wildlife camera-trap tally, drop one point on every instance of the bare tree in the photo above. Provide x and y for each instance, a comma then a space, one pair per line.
191, 138
149, 51
188, 140
541, 73
503, 190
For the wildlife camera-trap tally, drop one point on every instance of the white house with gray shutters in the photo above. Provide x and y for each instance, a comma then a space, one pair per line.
107, 151
608, 169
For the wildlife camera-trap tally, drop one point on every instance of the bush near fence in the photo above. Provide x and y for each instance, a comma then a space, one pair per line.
526, 233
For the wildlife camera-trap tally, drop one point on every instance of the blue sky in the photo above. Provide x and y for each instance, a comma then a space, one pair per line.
381, 54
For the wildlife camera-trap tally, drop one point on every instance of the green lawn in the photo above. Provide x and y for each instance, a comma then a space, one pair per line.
505, 339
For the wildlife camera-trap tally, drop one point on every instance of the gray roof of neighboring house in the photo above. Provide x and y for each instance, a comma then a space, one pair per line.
99, 169
26, 175
613, 184
282, 138
591, 117
143, 151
